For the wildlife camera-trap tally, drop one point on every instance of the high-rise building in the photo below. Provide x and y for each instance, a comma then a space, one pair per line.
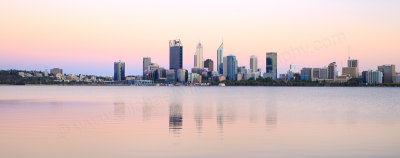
323, 73
209, 64
56, 71
388, 72
231, 67
46, 72
332, 71
119, 71
198, 62
306, 74
315, 74
175, 54
352, 69
272, 65
220, 54
182, 75
253, 63
352, 63
372, 77
171, 76
146, 64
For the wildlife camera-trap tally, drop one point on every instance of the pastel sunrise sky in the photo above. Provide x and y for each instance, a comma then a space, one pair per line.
87, 36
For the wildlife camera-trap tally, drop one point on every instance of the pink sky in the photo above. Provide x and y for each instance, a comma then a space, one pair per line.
88, 36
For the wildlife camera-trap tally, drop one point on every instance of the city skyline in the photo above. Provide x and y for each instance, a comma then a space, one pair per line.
86, 37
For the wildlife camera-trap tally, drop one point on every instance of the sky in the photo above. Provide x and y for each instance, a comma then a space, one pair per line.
86, 37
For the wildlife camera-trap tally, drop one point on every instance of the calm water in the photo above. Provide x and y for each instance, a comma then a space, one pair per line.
57, 121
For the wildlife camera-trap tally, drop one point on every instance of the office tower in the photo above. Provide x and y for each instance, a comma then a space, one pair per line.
209, 64
271, 65
171, 76
56, 71
352, 69
352, 63
231, 67
323, 73
119, 71
293, 68
253, 63
388, 72
175, 54
220, 54
306, 74
396, 78
315, 74
332, 71
198, 57
182, 75
372, 77
146, 64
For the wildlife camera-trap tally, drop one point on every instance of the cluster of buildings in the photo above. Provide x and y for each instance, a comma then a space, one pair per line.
59, 76
227, 69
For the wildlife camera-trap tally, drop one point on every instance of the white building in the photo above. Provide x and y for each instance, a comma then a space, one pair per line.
374, 77
198, 57
253, 63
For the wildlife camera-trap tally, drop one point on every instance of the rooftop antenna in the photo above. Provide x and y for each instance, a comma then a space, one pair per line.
348, 51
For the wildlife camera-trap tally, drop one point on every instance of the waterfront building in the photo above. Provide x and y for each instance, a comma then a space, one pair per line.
220, 54
373, 77
292, 71
46, 73
306, 74
323, 73
209, 64
171, 75
146, 64
119, 71
231, 67
271, 65
315, 74
388, 72
182, 75
56, 71
175, 54
352, 69
198, 57
197, 70
253, 63
396, 79
332, 71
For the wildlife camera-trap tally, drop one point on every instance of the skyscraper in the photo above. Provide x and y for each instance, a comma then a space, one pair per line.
119, 71
332, 70
56, 71
272, 65
146, 64
253, 63
175, 54
220, 54
388, 72
209, 64
199, 56
231, 67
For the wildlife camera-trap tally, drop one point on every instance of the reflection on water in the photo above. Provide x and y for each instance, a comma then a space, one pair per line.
175, 118
50, 121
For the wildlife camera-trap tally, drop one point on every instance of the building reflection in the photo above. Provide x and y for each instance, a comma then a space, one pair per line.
198, 117
175, 119
271, 115
220, 118
119, 109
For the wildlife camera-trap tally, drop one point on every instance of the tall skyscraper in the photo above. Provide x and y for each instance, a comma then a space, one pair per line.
220, 54
209, 64
253, 63
332, 70
352, 63
175, 54
119, 71
272, 65
146, 64
198, 57
231, 67
388, 72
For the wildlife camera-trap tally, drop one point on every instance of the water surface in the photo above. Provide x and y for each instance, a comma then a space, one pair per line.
74, 121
